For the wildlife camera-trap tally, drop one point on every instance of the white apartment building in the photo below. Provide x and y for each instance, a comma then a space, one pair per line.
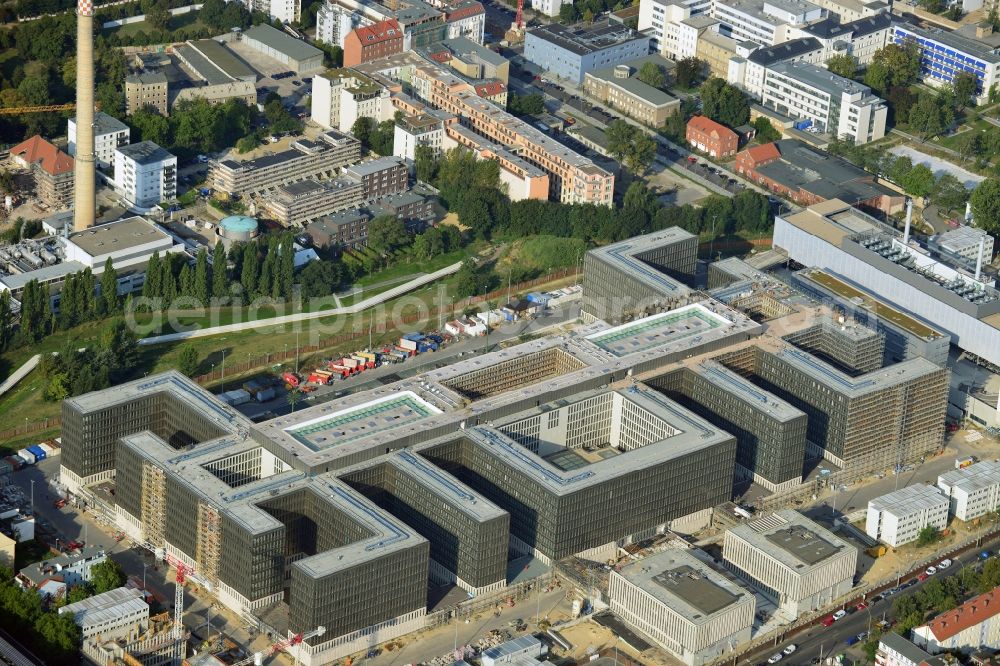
852, 10
286, 11
341, 96
972, 626
837, 106
973, 491
894, 650
791, 560
549, 7
334, 22
145, 175
674, 26
109, 134
748, 68
427, 129
764, 22
112, 614
860, 38
690, 610
898, 517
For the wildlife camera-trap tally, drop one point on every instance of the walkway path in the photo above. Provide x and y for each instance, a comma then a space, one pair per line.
305, 316
20, 373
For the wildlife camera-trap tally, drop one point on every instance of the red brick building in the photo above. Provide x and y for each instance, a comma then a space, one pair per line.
377, 40
710, 137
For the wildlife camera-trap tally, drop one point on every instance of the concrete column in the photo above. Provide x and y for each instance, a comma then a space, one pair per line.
85, 207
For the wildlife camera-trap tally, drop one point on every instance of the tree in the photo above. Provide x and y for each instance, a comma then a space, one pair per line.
248, 277
320, 278
964, 85
110, 302
467, 279
201, 285
188, 361
158, 14
652, 74
386, 233
919, 182
619, 134
568, 13
765, 130
927, 117
843, 64
949, 192
220, 279
985, 200
106, 575
150, 126
688, 71
641, 154
526, 105
362, 129
893, 65
61, 636
724, 103
900, 100
425, 163
928, 535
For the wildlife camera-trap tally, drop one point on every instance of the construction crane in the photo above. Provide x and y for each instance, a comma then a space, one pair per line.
519, 17
183, 570
18, 110
259, 657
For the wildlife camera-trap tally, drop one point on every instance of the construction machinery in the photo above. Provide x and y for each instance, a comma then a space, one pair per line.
259, 657
183, 570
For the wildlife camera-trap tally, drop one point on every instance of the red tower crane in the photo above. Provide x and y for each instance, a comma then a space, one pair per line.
519, 17
258, 658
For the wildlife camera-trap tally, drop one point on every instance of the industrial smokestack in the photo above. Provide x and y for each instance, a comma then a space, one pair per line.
979, 257
909, 216
84, 207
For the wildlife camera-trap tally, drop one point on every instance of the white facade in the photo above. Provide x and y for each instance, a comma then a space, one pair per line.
898, 517
126, 242
664, 597
286, 11
548, 7
973, 491
407, 138
778, 555
113, 614
471, 27
334, 22
837, 106
109, 135
145, 175
340, 98
766, 22
664, 20
894, 650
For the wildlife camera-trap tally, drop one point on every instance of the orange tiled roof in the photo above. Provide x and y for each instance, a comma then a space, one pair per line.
463, 10
709, 126
489, 88
969, 614
379, 32
764, 153
38, 150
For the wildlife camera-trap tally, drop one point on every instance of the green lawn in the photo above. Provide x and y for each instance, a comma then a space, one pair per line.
189, 21
409, 269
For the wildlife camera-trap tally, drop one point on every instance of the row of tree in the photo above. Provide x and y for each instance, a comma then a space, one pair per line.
194, 126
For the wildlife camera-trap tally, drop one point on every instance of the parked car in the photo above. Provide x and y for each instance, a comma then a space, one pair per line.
839, 614
828, 620
790, 649
944, 564
922, 577
851, 640
775, 658
931, 571
861, 606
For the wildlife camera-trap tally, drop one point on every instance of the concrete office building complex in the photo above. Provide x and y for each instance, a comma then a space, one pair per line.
848, 347
685, 606
897, 517
860, 37
569, 53
344, 510
905, 337
974, 491
791, 560
839, 239
109, 135
634, 277
145, 175
620, 87
869, 421
770, 433
751, 62
840, 107
305, 159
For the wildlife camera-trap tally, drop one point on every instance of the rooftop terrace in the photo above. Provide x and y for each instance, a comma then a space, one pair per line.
688, 322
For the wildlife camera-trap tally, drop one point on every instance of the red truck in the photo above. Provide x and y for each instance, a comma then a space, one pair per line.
290, 379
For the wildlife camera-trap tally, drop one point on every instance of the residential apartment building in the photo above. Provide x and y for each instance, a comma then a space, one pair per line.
973, 491
303, 160
548, 7
145, 175
117, 613
569, 53
659, 19
619, 88
716, 51
894, 650
897, 517
764, 22
466, 19
710, 137
690, 610
859, 38
791, 560
334, 22
219, 93
523, 179
109, 134
470, 59
54, 576
425, 129
371, 42
946, 53
840, 107
341, 96
379, 177
572, 178
296, 204
747, 69
51, 168
344, 229
146, 89
854, 10
972, 626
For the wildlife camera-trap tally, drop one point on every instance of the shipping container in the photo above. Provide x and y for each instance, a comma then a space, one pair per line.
962, 463
341, 370
236, 397
49, 449
27, 456
409, 345
37, 452
265, 394
415, 337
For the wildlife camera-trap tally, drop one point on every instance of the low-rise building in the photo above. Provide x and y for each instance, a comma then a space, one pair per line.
831, 104
295, 54
415, 208
218, 93
470, 59
51, 168
109, 134
973, 491
791, 560
569, 53
972, 626
964, 244
367, 43
379, 177
146, 88
898, 517
8, 547
619, 88
341, 96
54, 576
710, 137
112, 614
513, 651
894, 650
344, 229
681, 603
747, 68
145, 175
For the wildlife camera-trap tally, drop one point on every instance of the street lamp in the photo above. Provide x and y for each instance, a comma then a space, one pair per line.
143, 577
32, 497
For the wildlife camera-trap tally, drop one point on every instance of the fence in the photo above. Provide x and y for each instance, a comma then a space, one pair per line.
29, 428
379, 328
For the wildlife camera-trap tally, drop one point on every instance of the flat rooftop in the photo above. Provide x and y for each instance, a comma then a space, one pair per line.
361, 421
975, 477
145, 152
685, 584
220, 56
585, 40
107, 607
746, 391
961, 43
623, 256
856, 386
117, 236
910, 499
803, 544
688, 322
819, 78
